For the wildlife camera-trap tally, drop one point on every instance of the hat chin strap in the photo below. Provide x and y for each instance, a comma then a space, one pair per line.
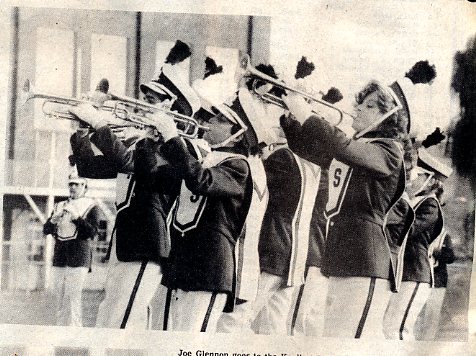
424, 185
377, 122
229, 139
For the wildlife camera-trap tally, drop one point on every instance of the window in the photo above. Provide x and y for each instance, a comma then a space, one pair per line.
55, 51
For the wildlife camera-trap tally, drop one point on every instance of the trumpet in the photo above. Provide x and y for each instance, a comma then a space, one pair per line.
139, 111
128, 112
57, 107
247, 70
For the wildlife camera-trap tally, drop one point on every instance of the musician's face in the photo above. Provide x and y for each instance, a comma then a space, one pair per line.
155, 98
219, 129
366, 113
76, 190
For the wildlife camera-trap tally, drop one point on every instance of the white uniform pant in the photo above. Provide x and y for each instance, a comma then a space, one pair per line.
130, 287
403, 309
236, 321
432, 314
355, 307
272, 304
308, 313
194, 311
68, 285
156, 309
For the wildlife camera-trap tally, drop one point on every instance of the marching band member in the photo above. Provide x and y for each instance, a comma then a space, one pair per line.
366, 177
426, 234
73, 223
139, 243
250, 110
443, 255
399, 221
284, 238
206, 221
308, 312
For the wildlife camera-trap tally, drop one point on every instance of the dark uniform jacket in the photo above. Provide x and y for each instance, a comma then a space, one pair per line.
425, 229
317, 232
140, 227
284, 238
399, 221
284, 183
76, 252
370, 178
207, 219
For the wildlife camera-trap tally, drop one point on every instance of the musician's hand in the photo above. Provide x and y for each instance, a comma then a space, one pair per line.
68, 209
297, 106
55, 219
56, 216
166, 126
96, 98
87, 113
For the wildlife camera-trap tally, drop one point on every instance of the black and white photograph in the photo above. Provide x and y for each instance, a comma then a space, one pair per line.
208, 178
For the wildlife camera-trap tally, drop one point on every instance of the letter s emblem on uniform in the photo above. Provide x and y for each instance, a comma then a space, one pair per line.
337, 177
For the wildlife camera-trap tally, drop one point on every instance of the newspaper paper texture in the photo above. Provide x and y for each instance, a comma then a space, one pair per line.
66, 47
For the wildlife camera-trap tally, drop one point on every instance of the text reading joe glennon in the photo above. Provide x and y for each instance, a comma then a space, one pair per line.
206, 353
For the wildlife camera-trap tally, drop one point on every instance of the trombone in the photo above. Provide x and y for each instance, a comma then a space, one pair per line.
129, 112
247, 70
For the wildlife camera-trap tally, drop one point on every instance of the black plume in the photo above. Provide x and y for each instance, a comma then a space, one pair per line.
333, 96
433, 139
421, 72
103, 86
179, 52
304, 68
211, 67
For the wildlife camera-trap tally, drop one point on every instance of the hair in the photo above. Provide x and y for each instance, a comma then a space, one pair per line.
393, 126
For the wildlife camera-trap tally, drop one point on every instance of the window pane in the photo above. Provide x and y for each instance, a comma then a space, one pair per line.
109, 60
53, 72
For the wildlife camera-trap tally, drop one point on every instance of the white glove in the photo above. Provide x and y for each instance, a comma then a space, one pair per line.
55, 219
297, 106
96, 98
91, 116
166, 126
57, 214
